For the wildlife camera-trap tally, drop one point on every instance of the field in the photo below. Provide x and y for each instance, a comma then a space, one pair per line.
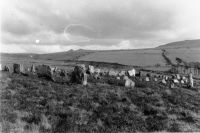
30, 104
147, 57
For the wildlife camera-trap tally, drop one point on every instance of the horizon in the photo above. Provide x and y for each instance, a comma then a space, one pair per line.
49, 26
97, 49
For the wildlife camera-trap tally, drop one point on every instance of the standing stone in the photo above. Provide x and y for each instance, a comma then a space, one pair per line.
33, 68
84, 82
172, 85
132, 72
6, 68
178, 76
91, 69
44, 71
18, 68
191, 81
164, 81
79, 74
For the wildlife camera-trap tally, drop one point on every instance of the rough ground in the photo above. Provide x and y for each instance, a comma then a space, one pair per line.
31, 105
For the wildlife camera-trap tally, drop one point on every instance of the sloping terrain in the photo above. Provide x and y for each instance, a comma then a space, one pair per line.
140, 57
188, 50
188, 55
187, 44
29, 104
69, 55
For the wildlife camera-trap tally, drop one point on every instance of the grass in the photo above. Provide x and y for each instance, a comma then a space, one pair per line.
31, 104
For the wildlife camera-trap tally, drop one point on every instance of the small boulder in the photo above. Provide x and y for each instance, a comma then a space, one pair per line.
113, 73
147, 79
122, 73
132, 72
164, 81
129, 83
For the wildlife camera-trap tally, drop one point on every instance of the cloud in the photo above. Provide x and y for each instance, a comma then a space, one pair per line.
78, 33
98, 23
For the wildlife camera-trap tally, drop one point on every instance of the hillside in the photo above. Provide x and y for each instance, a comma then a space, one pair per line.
188, 50
191, 44
141, 57
68, 55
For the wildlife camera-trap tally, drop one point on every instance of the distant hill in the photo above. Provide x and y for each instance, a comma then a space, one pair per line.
182, 44
68, 55
188, 51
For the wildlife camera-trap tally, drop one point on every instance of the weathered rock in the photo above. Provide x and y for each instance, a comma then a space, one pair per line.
164, 81
118, 78
90, 69
1, 68
122, 73
60, 76
18, 68
6, 68
178, 76
79, 74
191, 81
176, 81
182, 81
44, 71
155, 79
172, 85
132, 72
97, 71
128, 82
147, 79
104, 72
84, 79
33, 68
113, 73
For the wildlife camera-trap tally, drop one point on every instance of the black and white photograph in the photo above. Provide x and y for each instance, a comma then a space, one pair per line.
99, 66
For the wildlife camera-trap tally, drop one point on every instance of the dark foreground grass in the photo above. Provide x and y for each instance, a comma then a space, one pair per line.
29, 104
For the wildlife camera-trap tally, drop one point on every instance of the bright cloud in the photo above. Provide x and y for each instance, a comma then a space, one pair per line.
96, 24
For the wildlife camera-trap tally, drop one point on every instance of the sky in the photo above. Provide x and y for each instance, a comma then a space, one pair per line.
46, 26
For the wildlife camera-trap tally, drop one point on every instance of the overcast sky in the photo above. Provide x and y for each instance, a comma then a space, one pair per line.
44, 26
